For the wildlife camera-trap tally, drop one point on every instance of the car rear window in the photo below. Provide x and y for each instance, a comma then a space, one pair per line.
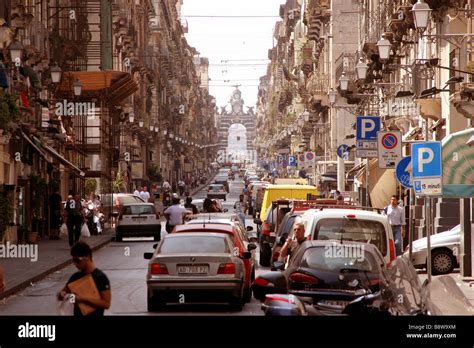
130, 199
191, 244
138, 210
216, 187
336, 256
357, 230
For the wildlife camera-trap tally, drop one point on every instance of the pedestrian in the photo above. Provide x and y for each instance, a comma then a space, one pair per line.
2, 280
181, 187
137, 191
206, 205
215, 208
166, 186
241, 208
55, 213
75, 218
292, 245
175, 214
340, 200
396, 218
82, 257
190, 206
144, 194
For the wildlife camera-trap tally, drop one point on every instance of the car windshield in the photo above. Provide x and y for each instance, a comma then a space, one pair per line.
337, 256
216, 187
139, 210
194, 244
357, 230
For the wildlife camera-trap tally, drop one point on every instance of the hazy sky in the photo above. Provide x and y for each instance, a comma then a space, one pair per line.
239, 40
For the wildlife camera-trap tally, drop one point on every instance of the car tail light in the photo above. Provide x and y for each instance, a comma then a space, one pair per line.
351, 216
303, 278
226, 268
261, 282
157, 268
266, 228
287, 299
393, 256
375, 281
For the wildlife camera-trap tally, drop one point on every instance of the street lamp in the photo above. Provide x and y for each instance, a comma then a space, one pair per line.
56, 73
332, 94
384, 46
165, 132
421, 13
361, 69
300, 122
77, 87
16, 48
152, 128
140, 124
131, 117
344, 81
156, 129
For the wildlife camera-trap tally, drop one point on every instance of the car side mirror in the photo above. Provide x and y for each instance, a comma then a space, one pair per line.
155, 245
249, 228
246, 255
147, 256
279, 265
251, 247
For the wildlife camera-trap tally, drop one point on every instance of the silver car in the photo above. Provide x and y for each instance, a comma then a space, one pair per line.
138, 220
445, 251
195, 267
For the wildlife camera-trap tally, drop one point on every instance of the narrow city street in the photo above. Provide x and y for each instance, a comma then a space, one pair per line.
126, 268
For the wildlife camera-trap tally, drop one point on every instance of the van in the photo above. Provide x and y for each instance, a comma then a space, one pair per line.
276, 192
351, 224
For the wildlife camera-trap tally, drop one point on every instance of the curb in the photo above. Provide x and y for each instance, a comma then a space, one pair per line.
27, 283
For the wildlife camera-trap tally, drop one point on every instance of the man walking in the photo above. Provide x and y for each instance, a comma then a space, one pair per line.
396, 218
55, 215
74, 219
82, 257
144, 194
181, 186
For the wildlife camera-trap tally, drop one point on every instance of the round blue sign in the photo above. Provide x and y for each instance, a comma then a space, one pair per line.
403, 176
343, 151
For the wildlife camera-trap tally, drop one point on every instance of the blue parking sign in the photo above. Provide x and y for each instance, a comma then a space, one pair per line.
292, 161
367, 128
426, 160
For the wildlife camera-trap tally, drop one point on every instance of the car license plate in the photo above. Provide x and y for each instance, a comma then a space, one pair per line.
139, 218
193, 269
340, 304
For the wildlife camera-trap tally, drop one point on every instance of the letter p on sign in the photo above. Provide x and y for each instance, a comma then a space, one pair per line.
422, 159
367, 127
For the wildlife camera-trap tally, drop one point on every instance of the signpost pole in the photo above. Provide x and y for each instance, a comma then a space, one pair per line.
411, 221
367, 182
428, 234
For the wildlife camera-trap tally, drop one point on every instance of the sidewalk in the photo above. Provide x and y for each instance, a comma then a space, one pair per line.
52, 256
453, 294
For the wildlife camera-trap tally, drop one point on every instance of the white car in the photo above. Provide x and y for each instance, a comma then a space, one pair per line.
351, 225
445, 251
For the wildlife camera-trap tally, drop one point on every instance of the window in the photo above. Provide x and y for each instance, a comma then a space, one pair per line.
353, 258
194, 244
139, 210
357, 230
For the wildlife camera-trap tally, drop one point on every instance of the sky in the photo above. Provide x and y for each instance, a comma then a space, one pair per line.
242, 42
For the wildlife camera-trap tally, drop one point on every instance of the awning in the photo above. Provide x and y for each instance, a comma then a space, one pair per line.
382, 183
59, 157
117, 85
458, 164
41, 152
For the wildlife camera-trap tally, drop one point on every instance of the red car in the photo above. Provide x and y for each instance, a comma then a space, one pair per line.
241, 242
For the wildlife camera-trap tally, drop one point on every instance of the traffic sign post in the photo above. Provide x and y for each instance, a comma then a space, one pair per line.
366, 136
427, 168
403, 170
389, 146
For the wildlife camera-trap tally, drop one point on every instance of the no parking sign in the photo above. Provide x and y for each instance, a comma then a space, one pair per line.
389, 145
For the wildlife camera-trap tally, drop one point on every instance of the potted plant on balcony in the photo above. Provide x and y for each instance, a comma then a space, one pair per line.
9, 111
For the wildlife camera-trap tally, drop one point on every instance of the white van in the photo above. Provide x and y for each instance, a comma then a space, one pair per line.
351, 225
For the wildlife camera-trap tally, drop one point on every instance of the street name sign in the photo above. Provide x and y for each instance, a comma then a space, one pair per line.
427, 168
389, 146
366, 136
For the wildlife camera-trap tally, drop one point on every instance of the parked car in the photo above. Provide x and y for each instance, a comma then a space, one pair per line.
198, 266
242, 245
217, 191
445, 251
138, 220
351, 224
112, 203
332, 278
